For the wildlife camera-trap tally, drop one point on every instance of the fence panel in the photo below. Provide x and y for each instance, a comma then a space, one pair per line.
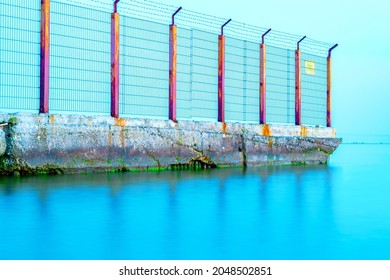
184, 78
144, 65
204, 76
19, 55
235, 72
252, 83
79, 60
80, 64
314, 86
280, 75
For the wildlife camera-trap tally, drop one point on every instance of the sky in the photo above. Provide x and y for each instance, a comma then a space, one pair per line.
361, 63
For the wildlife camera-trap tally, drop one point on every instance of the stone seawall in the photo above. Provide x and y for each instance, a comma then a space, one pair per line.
44, 143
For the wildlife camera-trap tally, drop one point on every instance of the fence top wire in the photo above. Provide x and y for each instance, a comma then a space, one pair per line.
162, 13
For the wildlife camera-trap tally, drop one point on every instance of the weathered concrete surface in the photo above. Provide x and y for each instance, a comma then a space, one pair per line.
3, 144
71, 143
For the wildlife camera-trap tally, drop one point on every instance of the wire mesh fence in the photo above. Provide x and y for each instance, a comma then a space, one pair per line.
314, 85
80, 63
204, 101
144, 58
235, 70
80, 60
19, 55
280, 71
184, 73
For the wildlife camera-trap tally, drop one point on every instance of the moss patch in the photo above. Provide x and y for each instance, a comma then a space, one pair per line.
13, 120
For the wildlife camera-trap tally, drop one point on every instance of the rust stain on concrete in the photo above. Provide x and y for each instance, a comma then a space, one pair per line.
120, 122
224, 126
52, 119
109, 139
122, 137
270, 143
303, 131
266, 130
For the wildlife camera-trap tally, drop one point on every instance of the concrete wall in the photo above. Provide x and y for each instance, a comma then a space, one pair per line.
72, 143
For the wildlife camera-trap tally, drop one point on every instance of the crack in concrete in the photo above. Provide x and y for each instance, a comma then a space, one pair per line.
179, 143
154, 159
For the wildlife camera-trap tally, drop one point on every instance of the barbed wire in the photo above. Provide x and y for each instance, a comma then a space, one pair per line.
188, 19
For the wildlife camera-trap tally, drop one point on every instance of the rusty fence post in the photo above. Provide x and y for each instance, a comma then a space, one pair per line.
262, 100
45, 57
115, 62
172, 71
173, 67
221, 78
221, 74
329, 88
298, 103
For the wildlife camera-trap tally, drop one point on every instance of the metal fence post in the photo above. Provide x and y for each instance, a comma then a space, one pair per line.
172, 67
115, 62
45, 57
298, 109
172, 71
221, 75
329, 88
262, 100
221, 78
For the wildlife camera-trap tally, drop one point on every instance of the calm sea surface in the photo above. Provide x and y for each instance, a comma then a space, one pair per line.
339, 211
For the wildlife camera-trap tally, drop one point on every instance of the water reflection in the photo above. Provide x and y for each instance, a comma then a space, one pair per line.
252, 213
212, 214
117, 181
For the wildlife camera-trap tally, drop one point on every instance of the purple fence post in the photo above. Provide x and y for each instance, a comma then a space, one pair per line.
45, 57
115, 62
263, 92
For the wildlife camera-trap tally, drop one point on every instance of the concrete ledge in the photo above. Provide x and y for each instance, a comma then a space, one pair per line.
72, 143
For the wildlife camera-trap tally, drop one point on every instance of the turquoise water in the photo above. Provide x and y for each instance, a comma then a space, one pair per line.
339, 211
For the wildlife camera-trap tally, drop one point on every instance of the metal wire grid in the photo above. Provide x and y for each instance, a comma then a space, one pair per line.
204, 76
80, 60
252, 83
158, 12
99, 5
234, 79
280, 82
313, 89
184, 74
19, 55
144, 65
199, 98
242, 81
